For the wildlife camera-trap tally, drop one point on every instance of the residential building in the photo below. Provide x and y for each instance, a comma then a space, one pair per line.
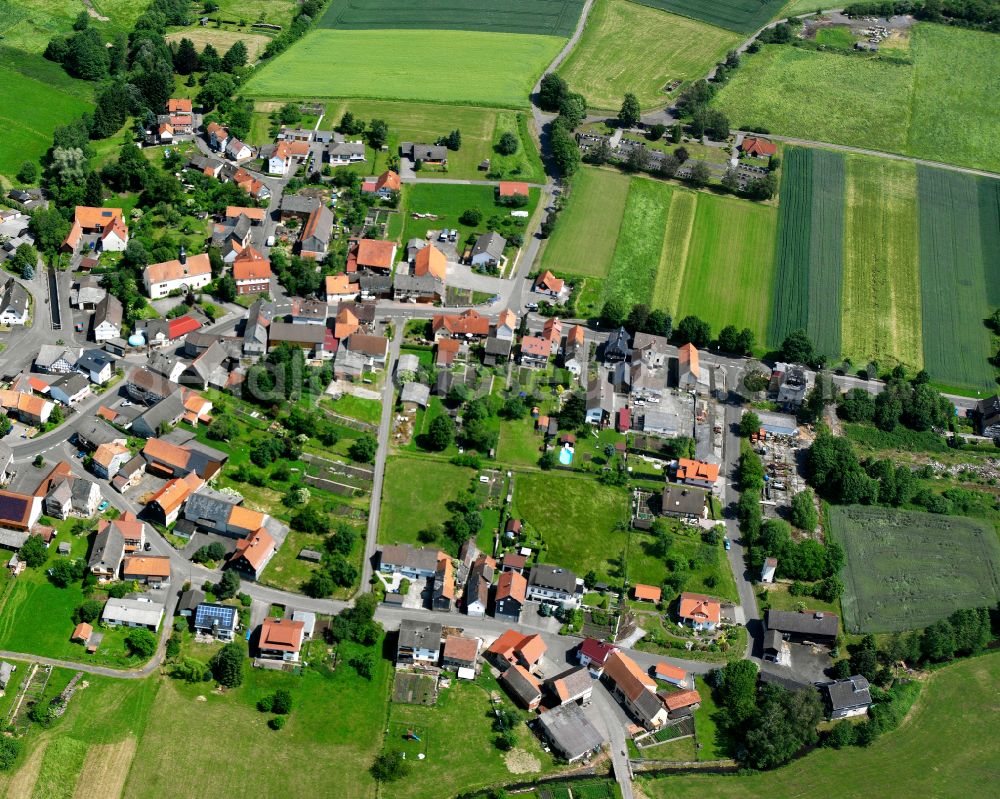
166, 413
19, 512
477, 587
344, 153
789, 384
237, 150
635, 690
165, 506
189, 601
511, 595
430, 260
699, 612
311, 338
522, 686
285, 155
550, 286
371, 255
758, 147
683, 502
211, 510
374, 349
488, 250
255, 329
496, 351
570, 732
664, 672
148, 387
513, 647
97, 366
535, 352
314, 241
419, 642
600, 401
107, 321
849, 698
414, 395
410, 562
506, 326
459, 652
132, 613
575, 351
297, 206
986, 415
96, 228
616, 348
55, 359
71, 389
512, 188
182, 274
13, 304
150, 570
253, 553
308, 312
383, 186
251, 272
218, 621
555, 585
280, 639
108, 459
339, 287
646, 593
432, 154
808, 626
469, 324
575, 685
696, 473
29, 408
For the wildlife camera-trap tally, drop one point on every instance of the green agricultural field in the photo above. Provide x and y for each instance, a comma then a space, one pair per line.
730, 264
583, 242
959, 273
554, 17
809, 249
640, 242
742, 16
906, 569
881, 308
946, 747
577, 518
422, 122
627, 47
429, 65
911, 108
670, 279
30, 110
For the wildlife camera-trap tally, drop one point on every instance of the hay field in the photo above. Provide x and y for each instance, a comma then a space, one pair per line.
429, 65
222, 39
627, 47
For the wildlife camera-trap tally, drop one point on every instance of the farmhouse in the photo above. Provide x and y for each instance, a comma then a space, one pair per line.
315, 239
757, 147
459, 652
680, 703
593, 654
252, 272
575, 685
151, 571
96, 228
812, 626
513, 648
181, 274
850, 697
430, 260
218, 621
253, 553
371, 255
635, 690
522, 686
570, 732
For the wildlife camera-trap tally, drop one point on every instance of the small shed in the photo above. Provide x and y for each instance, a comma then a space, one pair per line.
311, 555
768, 570
64, 548
82, 632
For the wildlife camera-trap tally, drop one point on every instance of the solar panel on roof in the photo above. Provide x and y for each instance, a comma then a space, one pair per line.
207, 615
12, 508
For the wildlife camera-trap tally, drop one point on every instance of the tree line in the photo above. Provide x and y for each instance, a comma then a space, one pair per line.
983, 14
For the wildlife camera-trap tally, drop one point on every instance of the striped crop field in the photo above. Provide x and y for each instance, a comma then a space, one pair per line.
640, 242
959, 273
583, 242
881, 309
673, 261
742, 16
809, 249
729, 274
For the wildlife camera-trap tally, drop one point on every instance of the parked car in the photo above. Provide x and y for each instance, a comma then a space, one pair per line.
726, 543
103, 506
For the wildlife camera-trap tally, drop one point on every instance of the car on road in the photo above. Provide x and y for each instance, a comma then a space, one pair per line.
103, 506
726, 543
531, 306
125, 403
81, 454
148, 546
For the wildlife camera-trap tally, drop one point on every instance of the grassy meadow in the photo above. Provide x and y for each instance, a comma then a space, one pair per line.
955, 706
443, 66
583, 243
29, 24
553, 17
640, 242
676, 239
881, 308
910, 108
627, 47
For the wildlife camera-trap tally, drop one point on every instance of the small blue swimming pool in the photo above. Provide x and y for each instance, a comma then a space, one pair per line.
566, 456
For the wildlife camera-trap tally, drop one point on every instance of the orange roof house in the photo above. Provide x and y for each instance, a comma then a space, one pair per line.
253, 214
467, 323
664, 671
511, 584
87, 219
281, 639
179, 105
511, 188
514, 647
647, 593
753, 145
627, 675
688, 357
697, 472
699, 610
197, 408
345, 323
146, 567
430, 261
174, 494
245, 518
165, 454
250, 265
376, 254
339, 285
575, 336
82, 632
447, 351
678, 700
547, 283
194, 266
387, 181
253, 553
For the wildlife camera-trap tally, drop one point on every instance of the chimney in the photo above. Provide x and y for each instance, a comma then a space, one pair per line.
183, 256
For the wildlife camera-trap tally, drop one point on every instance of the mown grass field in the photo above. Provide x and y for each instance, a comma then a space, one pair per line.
526, 163
959, 273
911, 108
881, 309
907, 569
676, 240
583, 242
743, 16
30, 110
955, 707
627, 47
640, 242
553, 17
809, 249
415, 494
443, 66
730, 264
222, 39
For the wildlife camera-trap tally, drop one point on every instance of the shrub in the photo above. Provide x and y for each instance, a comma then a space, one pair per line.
276, 723
141, 642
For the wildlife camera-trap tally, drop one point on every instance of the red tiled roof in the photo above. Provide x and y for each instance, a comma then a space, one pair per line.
649, 593
688, 469
375, 253
509, 188
756, 146
181, 326
698, 607
597, 651
678, 699
282, 634
534, 345
512, 584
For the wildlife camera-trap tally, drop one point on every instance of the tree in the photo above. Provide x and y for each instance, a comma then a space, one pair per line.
551, 92
843, 734
364, 448
390, 766
33, 552
10, 748
804, 515
888, 410
227, 665
738, 688
857, 405
507, 144
88, 611
573, 413
613, 312
141, 643
378, 133
749, 424
24, 260
225, 288
798, 348
734, 340
637, 318
573, 109
638, 159
65, 571
695, 331
311, 520
216, 88
86, 56
186, 57
547, 460
785, 723
320, 585
630, 113
209, 60
454, 140
441, 433
700, 174
471, 217
228, 586
281, 702
658, 323
235, 57
655, 132
28, 172
277, 723
364, 665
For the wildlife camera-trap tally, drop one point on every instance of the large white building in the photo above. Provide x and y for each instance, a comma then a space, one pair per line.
181, 274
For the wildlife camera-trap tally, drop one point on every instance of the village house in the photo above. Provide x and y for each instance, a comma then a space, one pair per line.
430, 260
535, 352
550, 286
181, 114
217, 621
430, 154
594, 654
237, 150
314, 240
14, 303
345, 153
311, 338
680, 703
107, 319
425, 289
409, 562
477, 587
511, 594
338, 287
253, 552
28, 408
165, 505
97, 366
150, 570
768, 570
523, 687
371, 255
96, 228
554, 585
683, 502
807, 626
574, 358
573, 686
635, 690
297, 206
488, 251
252, 272
664, 672
699, 612
512, 188
552, 333
646, 593
71, 389
280, 639
133, 613
469, 325
419, 643
55, 359
758, 148
182, 274
515, 648
696, 473
459, 652
849, 698
570, 732
382, 186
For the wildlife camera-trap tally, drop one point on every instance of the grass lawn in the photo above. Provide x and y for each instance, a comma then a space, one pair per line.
519, 444
576, 518
706, 730
640, 242
31, 111
676, 241
416, 491
426, 122
288, 572
627, 47
730, 263
526, 163
583, 242
29, 24
881, 296
910, 761
360, 408
428, 65
477, 762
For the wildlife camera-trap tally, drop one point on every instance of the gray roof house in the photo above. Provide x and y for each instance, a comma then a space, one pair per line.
415, 393
685, 502
56, 359
94, 432
850, 697
255, 328
132, 613
418, 641
570, 732
816, 626
107, 321
488, 249
98, 366
107, 553
554, 584
433, 153
70, 389
210, 509
409, 561
13, 303
166, 412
